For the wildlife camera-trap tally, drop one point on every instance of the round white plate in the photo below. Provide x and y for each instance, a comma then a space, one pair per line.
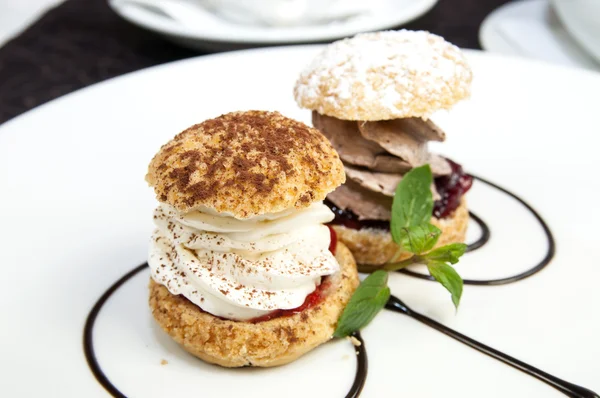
530, 28
75, 216
581, 18
215, 33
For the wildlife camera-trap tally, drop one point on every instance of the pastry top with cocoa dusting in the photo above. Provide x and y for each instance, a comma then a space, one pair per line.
245, 164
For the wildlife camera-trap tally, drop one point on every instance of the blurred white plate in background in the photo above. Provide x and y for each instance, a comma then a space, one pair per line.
582, 19
16, 16
531, 29
215, 33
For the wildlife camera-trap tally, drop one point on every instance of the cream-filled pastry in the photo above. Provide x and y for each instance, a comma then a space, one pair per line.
243, 271
372, 96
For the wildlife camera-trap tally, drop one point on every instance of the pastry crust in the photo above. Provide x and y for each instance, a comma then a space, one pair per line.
384, 76
244, 164
270, 343
372, 248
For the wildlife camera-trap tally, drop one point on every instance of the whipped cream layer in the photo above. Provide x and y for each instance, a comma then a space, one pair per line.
242, 269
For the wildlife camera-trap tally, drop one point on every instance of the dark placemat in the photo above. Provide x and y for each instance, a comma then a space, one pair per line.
81, 42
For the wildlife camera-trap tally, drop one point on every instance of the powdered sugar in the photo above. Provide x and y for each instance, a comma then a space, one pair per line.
392, 74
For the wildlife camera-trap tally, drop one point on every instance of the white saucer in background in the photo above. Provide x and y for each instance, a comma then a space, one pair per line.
16, 16
531, 29
219, 34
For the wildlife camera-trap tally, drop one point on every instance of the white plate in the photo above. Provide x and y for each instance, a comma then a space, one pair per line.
582, 19
531, 29
219, 34
75, 216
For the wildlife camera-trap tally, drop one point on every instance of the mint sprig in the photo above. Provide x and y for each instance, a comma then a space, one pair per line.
413, 202
419, 238
449, 253
411, 231
448, 277
446, 254
368, 299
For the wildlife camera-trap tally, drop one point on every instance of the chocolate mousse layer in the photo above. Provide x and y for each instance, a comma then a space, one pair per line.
376, 155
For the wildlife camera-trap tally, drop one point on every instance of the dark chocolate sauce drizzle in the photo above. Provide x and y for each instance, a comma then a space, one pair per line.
90, 353
569, 389
361, 368
485, 237
485, 233
88, 333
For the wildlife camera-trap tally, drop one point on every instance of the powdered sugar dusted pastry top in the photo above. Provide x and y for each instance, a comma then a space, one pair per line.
385, 75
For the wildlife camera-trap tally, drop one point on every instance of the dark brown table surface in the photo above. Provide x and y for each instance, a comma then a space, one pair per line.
82, 42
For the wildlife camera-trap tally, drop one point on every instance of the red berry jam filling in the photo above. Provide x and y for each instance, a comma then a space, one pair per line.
451, 189
333, 241
348, 219
312, 300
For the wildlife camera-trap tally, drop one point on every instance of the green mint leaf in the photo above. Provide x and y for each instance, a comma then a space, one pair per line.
419, 238
395, 266
413, 201
448, 277
449, 253
411, 231
368, 299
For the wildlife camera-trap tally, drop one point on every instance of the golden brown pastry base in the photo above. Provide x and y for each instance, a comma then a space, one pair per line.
372, 247
270, 343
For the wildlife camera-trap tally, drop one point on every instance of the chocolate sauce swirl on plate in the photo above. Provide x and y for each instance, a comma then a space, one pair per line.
88, 333
90, 353
569, 389
550, 251
361, 368
394, 304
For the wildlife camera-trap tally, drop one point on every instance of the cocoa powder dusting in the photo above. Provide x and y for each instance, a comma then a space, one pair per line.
241, 155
